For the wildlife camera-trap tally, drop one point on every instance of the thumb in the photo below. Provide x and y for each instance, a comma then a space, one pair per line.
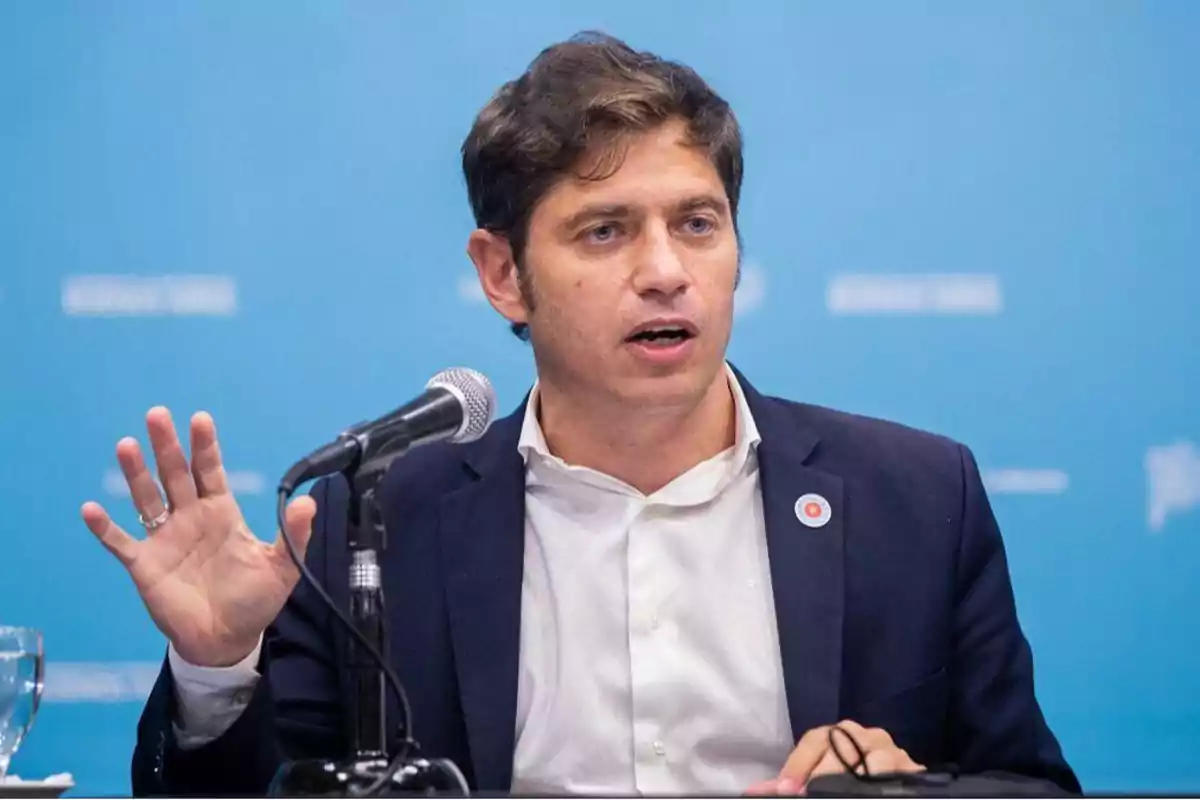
298, 519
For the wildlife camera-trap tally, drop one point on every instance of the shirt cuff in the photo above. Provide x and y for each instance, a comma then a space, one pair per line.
210, 699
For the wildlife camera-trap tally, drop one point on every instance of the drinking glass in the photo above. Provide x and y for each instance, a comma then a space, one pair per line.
21, 665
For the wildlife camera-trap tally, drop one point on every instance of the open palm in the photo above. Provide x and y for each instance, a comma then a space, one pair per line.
211, 586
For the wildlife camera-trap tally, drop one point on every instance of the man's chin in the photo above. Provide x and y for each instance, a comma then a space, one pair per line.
666, 386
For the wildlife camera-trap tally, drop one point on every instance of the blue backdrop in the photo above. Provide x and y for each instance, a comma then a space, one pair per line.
978, 218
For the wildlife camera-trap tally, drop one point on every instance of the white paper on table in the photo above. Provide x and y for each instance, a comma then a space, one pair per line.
59, 779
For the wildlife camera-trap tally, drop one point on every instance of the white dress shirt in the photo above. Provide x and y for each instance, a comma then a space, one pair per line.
649, 655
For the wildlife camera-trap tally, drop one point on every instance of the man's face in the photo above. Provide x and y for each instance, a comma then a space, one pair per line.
631, 278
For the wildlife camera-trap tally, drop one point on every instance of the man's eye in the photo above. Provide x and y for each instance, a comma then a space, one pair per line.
699, 225
602, 233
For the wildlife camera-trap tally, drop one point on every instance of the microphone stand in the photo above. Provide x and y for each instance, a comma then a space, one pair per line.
366, 541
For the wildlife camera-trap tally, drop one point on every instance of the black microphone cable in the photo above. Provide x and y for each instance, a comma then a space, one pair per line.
409, 744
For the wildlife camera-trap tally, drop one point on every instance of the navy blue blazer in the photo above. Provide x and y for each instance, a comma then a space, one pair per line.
898, 613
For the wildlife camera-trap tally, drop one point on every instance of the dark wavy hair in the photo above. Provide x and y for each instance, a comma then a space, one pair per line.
576, 99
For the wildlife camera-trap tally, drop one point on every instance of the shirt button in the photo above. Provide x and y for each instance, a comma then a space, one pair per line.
655, 622
660, 749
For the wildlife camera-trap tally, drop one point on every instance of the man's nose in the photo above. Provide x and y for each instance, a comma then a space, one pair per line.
660, 270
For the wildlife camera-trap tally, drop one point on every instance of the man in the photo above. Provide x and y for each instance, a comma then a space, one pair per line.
650, 578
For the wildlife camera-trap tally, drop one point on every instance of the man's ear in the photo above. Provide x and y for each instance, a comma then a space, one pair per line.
492, 256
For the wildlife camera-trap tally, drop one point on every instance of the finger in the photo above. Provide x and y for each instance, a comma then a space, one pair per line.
808, 753
110, 534
891, 760
207, 469
173, 468
828, 765
147, 499
867, 738
873, 738
298, 517
852, 742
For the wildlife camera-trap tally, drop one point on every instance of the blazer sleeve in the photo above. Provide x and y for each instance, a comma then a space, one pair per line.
295, 711
996, 724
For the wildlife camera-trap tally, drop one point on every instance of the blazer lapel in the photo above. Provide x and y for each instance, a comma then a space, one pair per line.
806, 562
483, 543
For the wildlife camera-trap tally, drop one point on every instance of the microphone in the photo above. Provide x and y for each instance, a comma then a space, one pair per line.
458, 405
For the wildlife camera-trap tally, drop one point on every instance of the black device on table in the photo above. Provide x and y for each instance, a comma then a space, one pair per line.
942, 781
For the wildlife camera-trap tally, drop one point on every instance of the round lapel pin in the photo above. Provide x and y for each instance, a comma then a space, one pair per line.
813, 510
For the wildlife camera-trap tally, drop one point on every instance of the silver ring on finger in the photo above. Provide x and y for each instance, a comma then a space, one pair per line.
151, 524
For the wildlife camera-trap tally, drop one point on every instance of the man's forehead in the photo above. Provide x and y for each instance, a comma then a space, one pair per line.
645, 198
661, 187
657, 169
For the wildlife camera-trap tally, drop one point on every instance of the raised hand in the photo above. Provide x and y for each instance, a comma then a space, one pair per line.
209, 584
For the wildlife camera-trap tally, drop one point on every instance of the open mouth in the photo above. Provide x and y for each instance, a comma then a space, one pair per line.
661, 336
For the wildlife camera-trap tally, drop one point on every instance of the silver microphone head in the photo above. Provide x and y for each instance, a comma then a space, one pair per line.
477, 396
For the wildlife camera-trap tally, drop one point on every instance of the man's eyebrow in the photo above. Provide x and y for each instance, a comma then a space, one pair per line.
709, 201
624, 211
607, 210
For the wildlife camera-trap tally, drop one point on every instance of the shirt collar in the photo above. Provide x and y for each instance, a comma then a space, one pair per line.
747, 437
